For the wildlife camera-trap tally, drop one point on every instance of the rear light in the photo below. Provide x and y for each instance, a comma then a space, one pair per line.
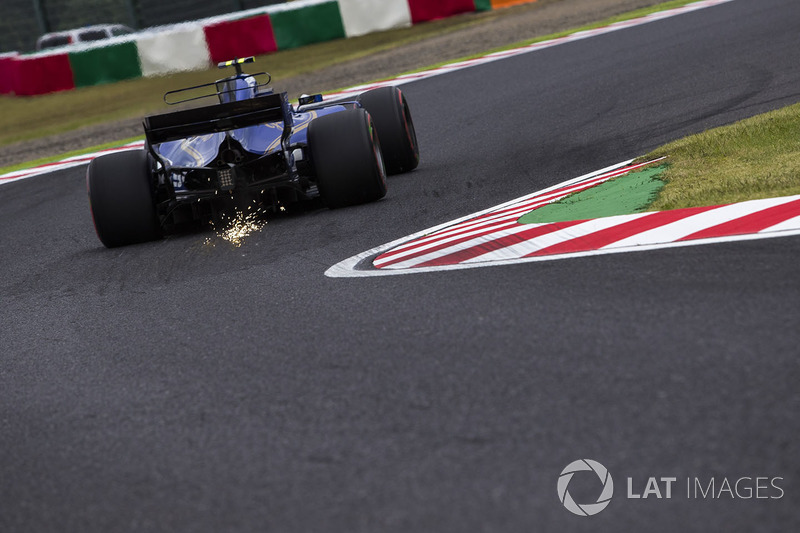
225, 177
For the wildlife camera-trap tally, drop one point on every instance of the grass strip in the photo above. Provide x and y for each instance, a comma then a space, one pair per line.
755, 158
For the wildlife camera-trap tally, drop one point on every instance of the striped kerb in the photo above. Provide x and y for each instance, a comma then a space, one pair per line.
497, 235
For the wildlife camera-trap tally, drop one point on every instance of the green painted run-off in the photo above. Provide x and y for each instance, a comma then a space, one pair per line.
631, 193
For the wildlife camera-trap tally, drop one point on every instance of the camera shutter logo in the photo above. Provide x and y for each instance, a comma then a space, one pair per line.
586, 509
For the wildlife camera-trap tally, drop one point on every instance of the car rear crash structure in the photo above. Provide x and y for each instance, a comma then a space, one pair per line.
253, 147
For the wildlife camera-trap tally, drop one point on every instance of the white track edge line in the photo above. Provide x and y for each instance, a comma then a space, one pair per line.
338, 271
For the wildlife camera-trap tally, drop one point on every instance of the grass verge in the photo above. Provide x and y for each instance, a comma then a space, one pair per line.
758, 157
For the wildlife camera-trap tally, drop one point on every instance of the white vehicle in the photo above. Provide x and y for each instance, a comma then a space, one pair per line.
97, 32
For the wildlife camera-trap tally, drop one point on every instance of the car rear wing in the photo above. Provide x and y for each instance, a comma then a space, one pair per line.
220, 117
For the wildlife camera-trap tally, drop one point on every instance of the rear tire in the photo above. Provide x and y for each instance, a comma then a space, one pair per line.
121, 198
347, 158
392, 117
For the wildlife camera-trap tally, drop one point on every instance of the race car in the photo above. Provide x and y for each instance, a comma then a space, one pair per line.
253, 147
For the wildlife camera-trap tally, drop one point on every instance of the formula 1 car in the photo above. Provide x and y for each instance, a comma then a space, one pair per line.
253, 147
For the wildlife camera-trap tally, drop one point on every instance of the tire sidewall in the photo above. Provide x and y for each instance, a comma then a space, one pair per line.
347, 158
392, 116
121, 198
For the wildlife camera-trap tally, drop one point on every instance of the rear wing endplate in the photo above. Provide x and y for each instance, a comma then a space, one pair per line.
220, 117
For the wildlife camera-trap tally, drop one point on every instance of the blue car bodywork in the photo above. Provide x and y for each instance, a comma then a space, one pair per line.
252, 150
258, 140
249, 148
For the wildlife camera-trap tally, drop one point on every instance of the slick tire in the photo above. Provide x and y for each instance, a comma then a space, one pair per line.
347, 158
121, 198
392, 117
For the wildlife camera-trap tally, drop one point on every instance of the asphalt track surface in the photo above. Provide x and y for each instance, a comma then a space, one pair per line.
176, 386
